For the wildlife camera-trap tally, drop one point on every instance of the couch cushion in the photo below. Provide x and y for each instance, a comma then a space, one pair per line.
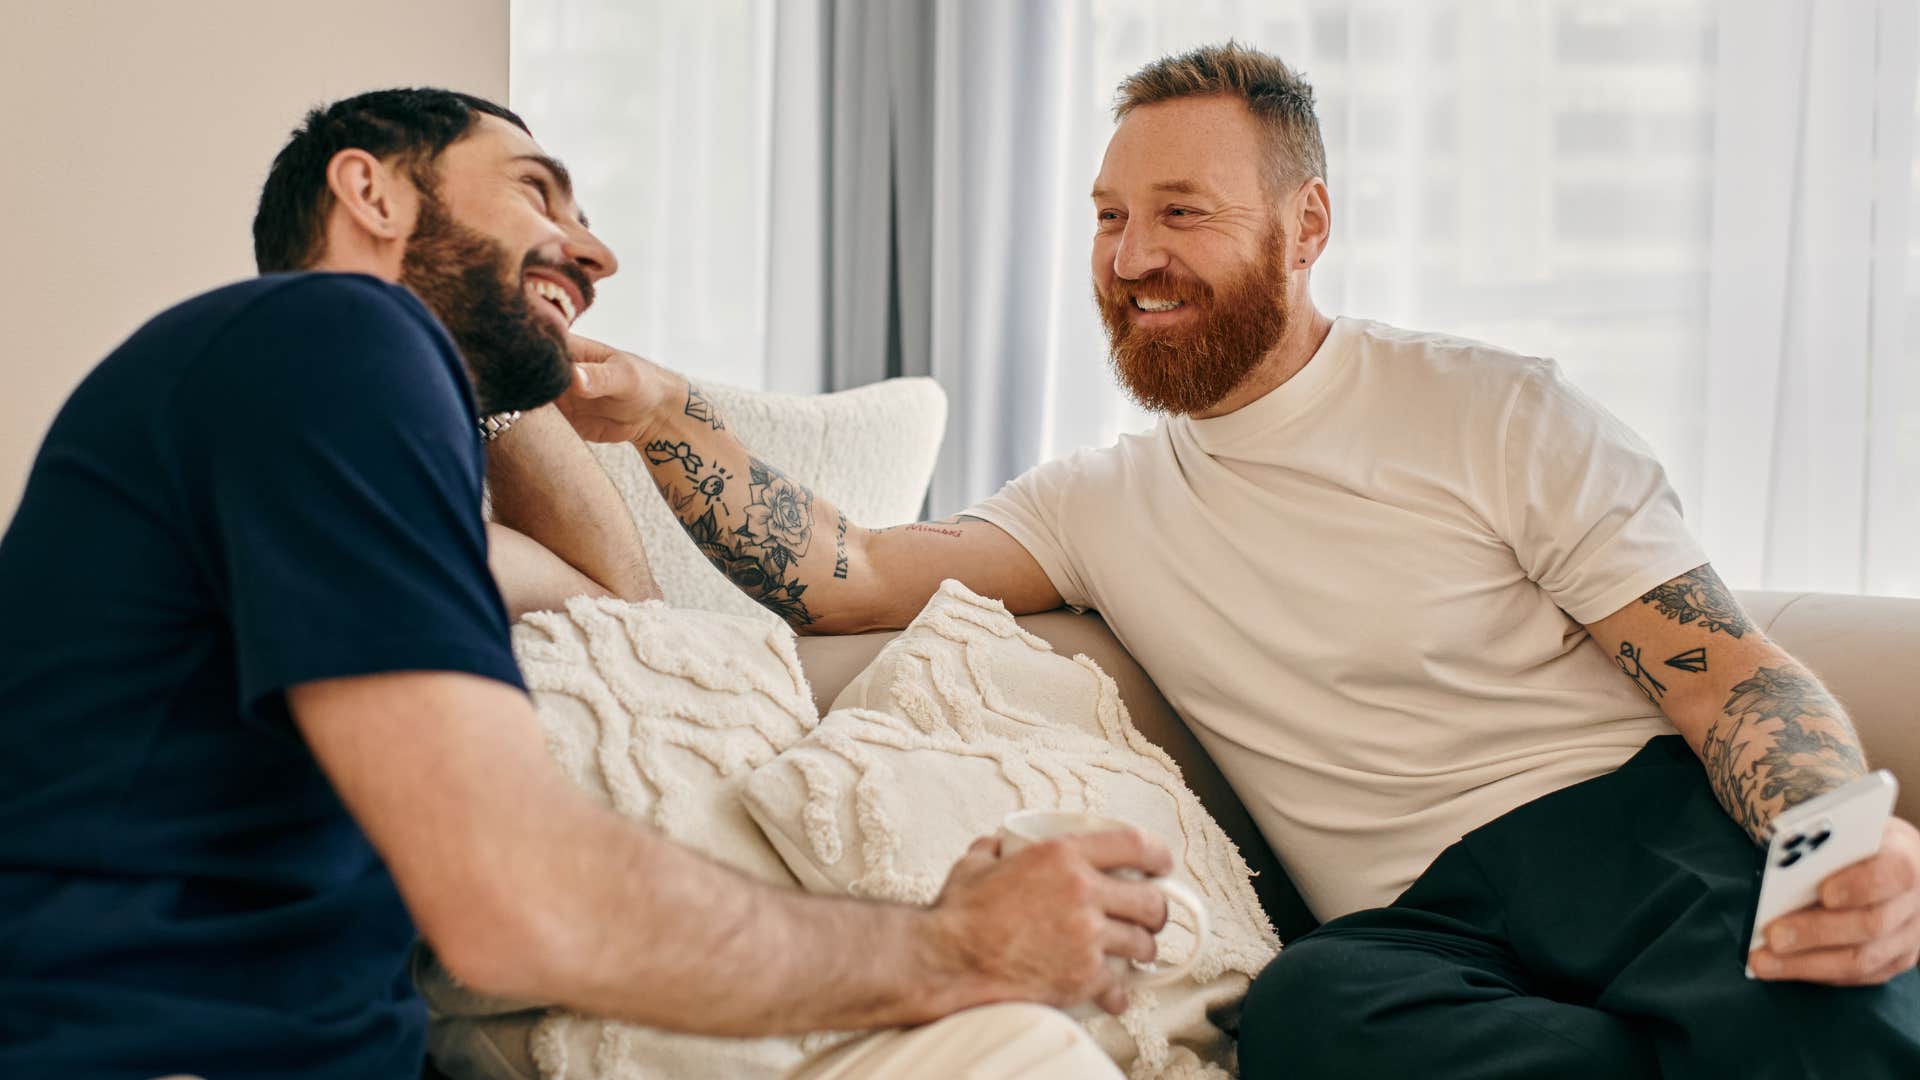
964, 718
870, 450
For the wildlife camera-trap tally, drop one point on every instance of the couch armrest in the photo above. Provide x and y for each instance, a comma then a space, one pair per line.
1867, 650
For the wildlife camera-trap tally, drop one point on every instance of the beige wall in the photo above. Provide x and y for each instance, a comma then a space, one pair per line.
134, 136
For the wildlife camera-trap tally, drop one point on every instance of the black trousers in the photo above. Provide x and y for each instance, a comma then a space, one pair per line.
1599, 931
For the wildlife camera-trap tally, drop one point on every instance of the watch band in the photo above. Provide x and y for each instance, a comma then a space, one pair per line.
492, 427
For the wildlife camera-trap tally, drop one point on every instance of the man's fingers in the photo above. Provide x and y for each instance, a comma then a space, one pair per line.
597, 380
1122, 849
979, 855
1133, 901
1875, 880
1822, 928
1127, 941
1113, 999
1856, 965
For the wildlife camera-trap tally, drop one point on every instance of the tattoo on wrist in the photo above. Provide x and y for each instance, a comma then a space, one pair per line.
1698, 597
935, 529
1805, 746
661, 451
1629, 664
840, 548
699, 408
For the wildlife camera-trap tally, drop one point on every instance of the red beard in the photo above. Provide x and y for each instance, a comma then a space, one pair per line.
1189, 369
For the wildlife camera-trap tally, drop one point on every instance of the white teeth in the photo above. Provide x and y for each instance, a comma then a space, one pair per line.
1145, 304
550, 291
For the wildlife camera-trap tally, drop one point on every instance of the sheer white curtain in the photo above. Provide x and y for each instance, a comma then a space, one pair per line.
663, 110
1703, 208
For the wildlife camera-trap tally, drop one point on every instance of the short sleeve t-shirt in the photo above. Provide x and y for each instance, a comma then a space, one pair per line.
273, 483
1365, 591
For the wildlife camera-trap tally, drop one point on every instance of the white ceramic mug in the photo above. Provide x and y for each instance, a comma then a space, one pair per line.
1028, 827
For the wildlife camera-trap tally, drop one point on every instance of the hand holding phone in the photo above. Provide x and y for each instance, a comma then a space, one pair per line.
1816, 839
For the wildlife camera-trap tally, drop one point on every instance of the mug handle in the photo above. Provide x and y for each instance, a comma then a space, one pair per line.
1147, 975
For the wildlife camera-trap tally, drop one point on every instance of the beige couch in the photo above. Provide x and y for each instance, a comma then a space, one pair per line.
1865, 648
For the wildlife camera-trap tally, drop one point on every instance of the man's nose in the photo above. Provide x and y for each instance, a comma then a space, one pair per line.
589, 254
1138, 253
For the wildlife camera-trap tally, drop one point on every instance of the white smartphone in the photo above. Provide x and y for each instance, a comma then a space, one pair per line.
1816, 838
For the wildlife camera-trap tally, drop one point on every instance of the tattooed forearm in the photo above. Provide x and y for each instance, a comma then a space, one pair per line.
754, 523
1698, 597
699, 408
761, 555
661, 451
1781, 739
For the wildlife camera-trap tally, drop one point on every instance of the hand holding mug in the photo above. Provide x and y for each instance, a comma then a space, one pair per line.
1029, 827
1049, 920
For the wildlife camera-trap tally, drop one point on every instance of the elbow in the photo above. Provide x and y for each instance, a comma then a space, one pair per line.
505, 946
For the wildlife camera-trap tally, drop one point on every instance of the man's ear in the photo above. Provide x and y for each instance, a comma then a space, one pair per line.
379, 201
1312, 222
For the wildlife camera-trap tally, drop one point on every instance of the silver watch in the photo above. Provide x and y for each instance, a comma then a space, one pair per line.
492, 427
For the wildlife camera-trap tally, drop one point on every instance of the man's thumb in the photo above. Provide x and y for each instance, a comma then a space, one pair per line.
590, 380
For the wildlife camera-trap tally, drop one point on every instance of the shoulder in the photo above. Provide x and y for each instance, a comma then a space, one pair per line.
1444, 360
316, 340
330, 309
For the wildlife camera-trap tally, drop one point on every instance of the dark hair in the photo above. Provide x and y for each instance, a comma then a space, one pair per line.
1275, 93
412, 125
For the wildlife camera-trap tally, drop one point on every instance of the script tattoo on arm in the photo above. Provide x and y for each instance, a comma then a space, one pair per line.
1781, 739
840, 548
1699, 598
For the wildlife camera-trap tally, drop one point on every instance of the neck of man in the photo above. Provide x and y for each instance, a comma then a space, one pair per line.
1286, 359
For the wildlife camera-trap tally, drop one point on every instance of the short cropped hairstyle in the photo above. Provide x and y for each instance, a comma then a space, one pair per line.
411, 126
1276, 95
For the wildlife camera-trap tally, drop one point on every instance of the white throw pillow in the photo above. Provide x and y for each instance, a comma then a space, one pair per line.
870, 450
965, 718
660, 714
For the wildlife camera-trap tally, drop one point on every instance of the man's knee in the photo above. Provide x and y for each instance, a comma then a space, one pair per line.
1029, 1041
1010, 1041
1296, 1021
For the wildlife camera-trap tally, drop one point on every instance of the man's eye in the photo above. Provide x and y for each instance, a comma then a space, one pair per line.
1109, 215
539, 189
1178, 211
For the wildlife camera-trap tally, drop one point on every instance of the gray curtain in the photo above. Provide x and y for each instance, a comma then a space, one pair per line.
932, 159
851, 295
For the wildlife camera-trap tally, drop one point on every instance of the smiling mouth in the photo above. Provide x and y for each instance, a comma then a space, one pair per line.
557, 296
1154, 306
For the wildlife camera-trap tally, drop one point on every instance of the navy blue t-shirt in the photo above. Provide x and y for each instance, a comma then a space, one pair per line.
273, 483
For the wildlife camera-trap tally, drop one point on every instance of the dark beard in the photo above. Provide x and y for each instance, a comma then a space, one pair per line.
516, 358
1192, 369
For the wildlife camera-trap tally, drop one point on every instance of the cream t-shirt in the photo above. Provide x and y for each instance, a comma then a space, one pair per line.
1365, 591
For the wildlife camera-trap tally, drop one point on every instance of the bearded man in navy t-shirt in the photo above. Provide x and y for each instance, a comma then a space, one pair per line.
259, 718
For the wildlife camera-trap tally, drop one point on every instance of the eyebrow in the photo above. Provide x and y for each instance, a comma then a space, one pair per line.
1174, 187
561, 176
